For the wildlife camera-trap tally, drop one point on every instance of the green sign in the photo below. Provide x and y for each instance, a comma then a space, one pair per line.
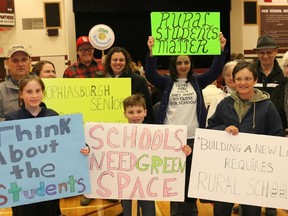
186, 33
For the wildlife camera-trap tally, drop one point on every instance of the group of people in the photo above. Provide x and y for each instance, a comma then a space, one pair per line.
242, 106
272, 79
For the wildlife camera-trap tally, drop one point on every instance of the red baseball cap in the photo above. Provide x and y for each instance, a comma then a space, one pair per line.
82, 40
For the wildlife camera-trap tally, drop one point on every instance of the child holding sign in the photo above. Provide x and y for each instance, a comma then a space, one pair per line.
135, 111
31, 94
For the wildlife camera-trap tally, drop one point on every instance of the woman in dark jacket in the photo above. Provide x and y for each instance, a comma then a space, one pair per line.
182, 103
246, 110
117, 65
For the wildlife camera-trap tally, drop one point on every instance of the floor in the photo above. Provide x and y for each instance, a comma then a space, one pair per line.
71, 207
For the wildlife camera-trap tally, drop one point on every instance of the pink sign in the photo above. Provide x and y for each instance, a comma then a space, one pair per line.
136, 161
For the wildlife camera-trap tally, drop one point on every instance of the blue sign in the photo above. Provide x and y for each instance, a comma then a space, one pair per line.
40, 160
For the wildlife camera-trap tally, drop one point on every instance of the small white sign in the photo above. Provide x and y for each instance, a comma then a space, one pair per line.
7, 19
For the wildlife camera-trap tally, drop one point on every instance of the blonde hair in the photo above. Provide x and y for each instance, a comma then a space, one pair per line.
284, 60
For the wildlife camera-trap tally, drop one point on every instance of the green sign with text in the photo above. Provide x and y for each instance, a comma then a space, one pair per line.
186, 33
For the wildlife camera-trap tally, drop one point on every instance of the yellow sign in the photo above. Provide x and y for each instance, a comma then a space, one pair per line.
98, 99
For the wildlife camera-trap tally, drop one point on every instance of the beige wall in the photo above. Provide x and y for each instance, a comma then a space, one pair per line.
244, 37
38, 42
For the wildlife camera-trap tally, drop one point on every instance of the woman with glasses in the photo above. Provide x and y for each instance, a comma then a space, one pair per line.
246, 110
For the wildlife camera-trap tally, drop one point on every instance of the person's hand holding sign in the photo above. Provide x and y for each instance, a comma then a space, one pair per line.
187, 150
232, 129
222, 41
150, 44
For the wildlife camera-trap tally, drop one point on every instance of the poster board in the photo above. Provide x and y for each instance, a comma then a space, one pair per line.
136, 161
246, 168
98, 99
274, 21
185, 33
40, 160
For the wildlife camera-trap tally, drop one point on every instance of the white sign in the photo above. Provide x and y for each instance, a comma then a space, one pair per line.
136, 161
245, 168
7, 19
101, 37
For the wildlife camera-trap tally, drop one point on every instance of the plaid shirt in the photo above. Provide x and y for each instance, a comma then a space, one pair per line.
79, 70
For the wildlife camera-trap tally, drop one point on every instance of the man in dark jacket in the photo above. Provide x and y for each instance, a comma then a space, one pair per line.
280, 95
269, 71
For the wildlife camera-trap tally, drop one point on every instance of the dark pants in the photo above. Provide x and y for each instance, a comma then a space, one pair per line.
189, 206
183, 209
225, 209
47, 208
270, 212
147, 207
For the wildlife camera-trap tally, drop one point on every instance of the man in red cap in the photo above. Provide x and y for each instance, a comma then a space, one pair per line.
86, 66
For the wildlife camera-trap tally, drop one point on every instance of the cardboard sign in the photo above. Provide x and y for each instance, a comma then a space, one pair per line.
136, 161
245, 168
186, 33
40, 160
98, 99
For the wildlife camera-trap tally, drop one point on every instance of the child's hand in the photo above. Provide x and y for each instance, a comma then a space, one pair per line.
187, 150
85, 151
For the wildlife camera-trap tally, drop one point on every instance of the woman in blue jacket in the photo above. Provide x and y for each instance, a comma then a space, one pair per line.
246, 110
182, 103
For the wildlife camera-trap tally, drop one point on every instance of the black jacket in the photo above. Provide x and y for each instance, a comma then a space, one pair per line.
139, 85
278, 100
24, 113
275, 77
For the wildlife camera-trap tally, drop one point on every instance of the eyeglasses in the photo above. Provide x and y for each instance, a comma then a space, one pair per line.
86, 50
268, 53
245, 79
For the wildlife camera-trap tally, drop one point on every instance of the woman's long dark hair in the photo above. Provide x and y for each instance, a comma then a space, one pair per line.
173, 70
128, 59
